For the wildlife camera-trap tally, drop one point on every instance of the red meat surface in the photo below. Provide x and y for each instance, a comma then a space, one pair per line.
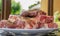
49, 19
31, 19
52, 25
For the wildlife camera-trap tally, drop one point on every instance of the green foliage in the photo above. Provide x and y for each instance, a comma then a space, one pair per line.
15, 7
0, 5
33, 5
56, 15
59, 30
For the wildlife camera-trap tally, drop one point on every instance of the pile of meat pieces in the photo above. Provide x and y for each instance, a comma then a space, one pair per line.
32, 19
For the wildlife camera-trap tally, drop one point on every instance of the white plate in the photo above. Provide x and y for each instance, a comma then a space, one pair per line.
32, 31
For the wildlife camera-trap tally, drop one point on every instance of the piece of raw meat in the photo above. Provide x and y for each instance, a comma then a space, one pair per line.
13, 18
49, 19
30, 24
40, 12
2, 23
40, 25
41, 18
20, 24
52, 25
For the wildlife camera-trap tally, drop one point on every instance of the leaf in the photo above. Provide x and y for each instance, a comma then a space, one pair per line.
56, 15
31, 6
15, 7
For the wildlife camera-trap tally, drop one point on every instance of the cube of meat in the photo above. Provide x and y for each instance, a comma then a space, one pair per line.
30, 24
52, 25
30, 13
33, 13
13, 18
20, 24
11, 25
45, 19
41, 18
3, 23
40, 25
49, 19
40, 12
6, 24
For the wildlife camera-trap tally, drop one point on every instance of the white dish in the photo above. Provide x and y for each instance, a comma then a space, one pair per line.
31, 31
